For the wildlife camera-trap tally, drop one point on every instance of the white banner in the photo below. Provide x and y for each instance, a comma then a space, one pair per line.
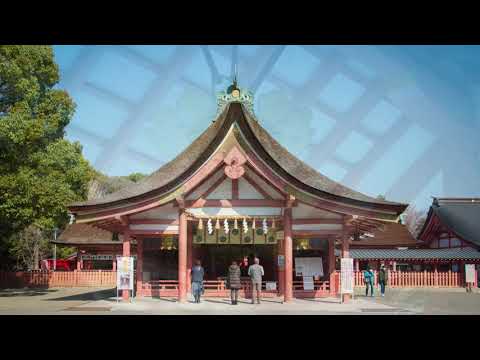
125, 273
271, 285
308, 283
346, 273
470, 273
309, 266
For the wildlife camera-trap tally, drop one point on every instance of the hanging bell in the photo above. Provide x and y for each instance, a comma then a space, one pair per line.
217, 224
200, 225
273, 223
235, 224
253, 223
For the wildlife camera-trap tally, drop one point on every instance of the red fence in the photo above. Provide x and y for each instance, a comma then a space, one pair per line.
83, 278
417, 279
217, 288
107, 278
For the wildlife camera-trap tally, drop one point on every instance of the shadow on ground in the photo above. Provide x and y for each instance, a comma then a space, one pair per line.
24, 292
104, 294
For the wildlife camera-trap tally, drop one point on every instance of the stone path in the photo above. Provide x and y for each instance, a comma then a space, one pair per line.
103, 301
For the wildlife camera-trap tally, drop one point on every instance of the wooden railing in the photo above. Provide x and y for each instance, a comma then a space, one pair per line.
83, 278
416, 279
104, 278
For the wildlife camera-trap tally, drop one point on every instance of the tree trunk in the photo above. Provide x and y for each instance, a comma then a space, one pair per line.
35, 256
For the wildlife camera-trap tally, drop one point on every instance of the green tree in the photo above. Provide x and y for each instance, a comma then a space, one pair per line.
40, 171
136, 177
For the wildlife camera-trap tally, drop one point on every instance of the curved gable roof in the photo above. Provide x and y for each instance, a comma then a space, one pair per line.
194, 156
461, 217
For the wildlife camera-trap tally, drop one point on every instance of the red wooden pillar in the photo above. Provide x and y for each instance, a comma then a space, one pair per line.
345, 254
182, 256
288, 247
331, 265
139, 266
126, 252
189, 255
461, 270
280, 269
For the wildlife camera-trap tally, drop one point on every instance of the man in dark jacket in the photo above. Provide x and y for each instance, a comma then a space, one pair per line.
233, 281
197, 280
382, 279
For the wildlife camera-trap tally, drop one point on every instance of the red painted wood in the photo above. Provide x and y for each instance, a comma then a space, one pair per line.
315, 233
317, 221
213, 187
139, 267
257, 187
280, 270
154, 221
288, 246
189, 255
182, 257
153, 232
234, 203
235, 189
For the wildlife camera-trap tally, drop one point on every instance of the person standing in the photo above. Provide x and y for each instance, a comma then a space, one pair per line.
244, 266
382, 279
234, 281
368, 278
256, 272
197, 280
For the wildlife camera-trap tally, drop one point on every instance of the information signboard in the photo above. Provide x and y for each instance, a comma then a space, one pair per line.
125, 273
346, 274
470, 273
281, 261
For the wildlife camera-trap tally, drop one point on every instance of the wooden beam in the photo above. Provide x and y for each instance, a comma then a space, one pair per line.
180, 202
317, 221
266, 180
255, 165
154, 221
213, 187
235, 189
290, 201
154, 232
257, 187
122, 219
234, 203
307, 233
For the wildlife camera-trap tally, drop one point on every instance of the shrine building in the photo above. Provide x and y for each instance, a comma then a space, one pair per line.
233, 194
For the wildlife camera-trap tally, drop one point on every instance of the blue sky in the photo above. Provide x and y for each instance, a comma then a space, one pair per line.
402, 121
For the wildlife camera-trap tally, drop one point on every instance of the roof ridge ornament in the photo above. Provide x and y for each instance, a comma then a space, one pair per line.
235, 94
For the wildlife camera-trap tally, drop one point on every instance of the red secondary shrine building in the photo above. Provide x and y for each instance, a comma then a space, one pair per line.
233, 194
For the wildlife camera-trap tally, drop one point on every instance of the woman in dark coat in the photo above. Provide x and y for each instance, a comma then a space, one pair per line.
234, 281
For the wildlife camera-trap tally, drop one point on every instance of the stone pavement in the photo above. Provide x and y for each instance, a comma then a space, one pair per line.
430, 301
83, 301
79, 301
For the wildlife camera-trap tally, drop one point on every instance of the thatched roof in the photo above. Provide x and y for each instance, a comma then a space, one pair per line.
187, 162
